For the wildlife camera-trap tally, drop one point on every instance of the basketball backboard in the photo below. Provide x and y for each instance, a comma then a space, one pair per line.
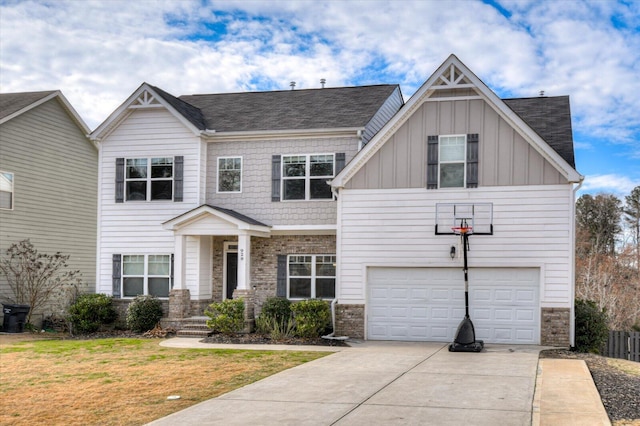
477, 215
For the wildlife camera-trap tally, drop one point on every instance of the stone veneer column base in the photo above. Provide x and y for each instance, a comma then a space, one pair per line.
249, 307
350, 321
555, 326
179, 303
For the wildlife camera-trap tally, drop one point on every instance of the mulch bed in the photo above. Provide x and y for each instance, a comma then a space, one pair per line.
619, 391
260, 339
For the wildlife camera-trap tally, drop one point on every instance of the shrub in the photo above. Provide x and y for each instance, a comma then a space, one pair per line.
144, 313
274, 309
591, 326
90, 312
312, 317
277, 330
226, 317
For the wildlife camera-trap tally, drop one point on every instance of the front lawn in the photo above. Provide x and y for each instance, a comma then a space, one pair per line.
121, 381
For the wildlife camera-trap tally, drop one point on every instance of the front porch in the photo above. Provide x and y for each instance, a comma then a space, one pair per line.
220, 254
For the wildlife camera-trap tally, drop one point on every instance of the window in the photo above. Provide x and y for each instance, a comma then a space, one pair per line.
311, 276
230, 174
6, 190
149, 179
304, 177
148, 274
452, 161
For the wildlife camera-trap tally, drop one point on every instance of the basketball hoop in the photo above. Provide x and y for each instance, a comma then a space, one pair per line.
462, 230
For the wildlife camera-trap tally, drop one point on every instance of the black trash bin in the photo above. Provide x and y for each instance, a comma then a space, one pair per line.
15, 317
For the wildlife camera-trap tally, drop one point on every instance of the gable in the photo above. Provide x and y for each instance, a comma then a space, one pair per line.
453, 101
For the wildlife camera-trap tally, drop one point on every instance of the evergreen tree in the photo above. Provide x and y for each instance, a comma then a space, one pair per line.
598, 223
632, 218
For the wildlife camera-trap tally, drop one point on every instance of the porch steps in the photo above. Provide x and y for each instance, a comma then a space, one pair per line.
193, 327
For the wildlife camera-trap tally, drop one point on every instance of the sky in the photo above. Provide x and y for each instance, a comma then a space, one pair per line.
99, 52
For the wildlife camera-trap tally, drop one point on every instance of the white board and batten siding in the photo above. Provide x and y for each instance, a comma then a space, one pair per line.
136, 227
396, 228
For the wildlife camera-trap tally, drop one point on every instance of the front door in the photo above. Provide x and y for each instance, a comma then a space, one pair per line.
232, 273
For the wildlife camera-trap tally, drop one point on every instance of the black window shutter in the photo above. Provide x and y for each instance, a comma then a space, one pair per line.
340, 160
276, 162
432, 162
116, 276
119, 180
178, 187
472, 160
171, 273
281, 283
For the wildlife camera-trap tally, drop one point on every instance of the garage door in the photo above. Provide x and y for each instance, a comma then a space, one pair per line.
427, 304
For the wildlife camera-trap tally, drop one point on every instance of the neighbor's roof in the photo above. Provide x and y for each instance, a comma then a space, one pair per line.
11, 103
550, 118
343, 107
15, 104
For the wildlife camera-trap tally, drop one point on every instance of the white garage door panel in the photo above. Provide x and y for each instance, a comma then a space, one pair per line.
428, 304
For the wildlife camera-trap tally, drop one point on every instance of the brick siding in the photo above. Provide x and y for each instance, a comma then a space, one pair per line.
555, 327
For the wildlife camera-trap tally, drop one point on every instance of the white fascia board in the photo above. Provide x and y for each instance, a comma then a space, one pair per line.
417, 100
213, 136
521, 127
124, 110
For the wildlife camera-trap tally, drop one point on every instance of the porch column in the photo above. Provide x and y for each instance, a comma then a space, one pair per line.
244, 262
178, 262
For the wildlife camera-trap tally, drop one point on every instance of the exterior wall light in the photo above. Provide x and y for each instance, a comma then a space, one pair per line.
452, 252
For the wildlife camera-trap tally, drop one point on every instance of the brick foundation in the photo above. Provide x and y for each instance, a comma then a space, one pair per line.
555, 325
350, 321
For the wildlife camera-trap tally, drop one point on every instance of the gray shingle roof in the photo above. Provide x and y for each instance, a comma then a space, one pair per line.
342, 107
550, 117
13, 102
191, 113
239, 216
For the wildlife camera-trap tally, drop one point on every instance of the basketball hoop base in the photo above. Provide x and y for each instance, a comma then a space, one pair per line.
476, 346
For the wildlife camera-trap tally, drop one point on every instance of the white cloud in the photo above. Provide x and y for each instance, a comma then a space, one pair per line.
98, 52
616, 184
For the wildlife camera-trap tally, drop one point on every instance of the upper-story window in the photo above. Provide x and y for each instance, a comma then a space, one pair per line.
452, 161
6, 190
304, 177
149, 179
229, 174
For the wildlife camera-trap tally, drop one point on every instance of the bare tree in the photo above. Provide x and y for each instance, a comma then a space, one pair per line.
34, 277
631, 216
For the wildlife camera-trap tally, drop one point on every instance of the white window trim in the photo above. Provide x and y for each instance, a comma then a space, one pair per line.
218, 174
145, 285
313, 276
464, 161
149, 179
12, 191
307, 178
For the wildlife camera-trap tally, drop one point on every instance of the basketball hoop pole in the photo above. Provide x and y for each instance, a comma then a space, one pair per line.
465, 340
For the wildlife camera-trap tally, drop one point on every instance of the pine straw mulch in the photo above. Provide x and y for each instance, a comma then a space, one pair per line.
617, 381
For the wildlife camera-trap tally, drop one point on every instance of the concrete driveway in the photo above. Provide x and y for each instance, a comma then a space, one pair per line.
387, 383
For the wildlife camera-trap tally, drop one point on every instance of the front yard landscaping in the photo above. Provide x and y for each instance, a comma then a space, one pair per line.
120, 381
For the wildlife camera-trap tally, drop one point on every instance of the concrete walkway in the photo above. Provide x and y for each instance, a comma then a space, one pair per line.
393, 383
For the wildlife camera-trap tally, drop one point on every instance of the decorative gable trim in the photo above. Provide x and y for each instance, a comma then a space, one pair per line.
145, 97
454, 74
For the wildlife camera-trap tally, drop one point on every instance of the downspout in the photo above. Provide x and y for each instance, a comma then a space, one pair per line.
332, 335
360, 145
572, 322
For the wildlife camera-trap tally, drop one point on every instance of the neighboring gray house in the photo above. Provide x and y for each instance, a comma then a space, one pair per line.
48, 180
455, 152
209, 197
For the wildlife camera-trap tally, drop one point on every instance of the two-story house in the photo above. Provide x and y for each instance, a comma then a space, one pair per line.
48, 180
457, 153
216, 196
